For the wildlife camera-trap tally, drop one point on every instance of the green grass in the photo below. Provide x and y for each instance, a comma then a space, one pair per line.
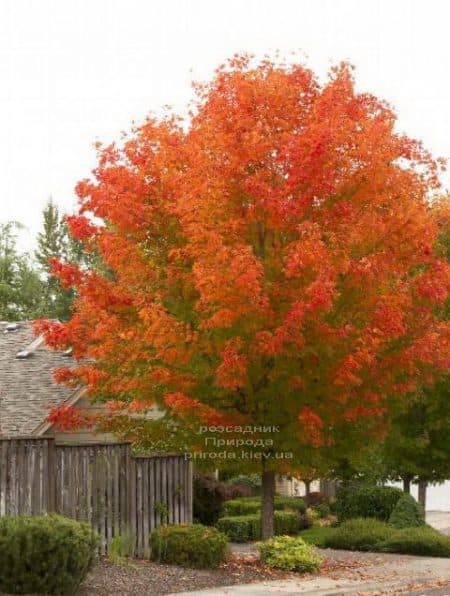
317, 535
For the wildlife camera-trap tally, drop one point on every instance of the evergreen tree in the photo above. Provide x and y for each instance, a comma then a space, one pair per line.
20, 284
56, 242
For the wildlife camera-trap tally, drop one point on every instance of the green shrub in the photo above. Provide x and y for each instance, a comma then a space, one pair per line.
240, 528
289, 554
317, 535
46, 554
245, 528
208, 499
121, 547
248, 506
189, 546
242, 506
407, 513
253, 481
367, 501
359, 534
290, 504
286, 522
417, 541
323, 510
305, 520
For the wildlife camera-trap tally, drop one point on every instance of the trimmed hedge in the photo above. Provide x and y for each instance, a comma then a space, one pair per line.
245, 528
289, 554
240, 528
407, 513
417, 541
367, 501
45, 554
359, 534
252, 505
189, 546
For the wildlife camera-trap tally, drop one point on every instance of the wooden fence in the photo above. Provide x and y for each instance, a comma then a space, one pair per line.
101, 484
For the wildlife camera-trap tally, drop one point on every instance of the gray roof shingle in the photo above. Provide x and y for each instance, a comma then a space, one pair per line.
27, 388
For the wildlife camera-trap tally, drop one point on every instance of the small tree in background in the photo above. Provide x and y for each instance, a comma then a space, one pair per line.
274, 273
20, 285
55, 242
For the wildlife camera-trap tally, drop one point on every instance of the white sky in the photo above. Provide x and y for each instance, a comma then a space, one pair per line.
73, 71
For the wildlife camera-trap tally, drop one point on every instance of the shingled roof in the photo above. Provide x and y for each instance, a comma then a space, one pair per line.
27, 388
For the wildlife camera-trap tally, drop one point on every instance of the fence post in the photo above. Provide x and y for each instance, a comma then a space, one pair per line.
51, 475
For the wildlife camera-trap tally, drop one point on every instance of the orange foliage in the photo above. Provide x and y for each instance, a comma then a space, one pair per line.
273, 259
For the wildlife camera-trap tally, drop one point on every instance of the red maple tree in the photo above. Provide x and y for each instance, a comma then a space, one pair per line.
268, 264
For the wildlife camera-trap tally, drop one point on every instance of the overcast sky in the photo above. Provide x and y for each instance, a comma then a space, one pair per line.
73, 71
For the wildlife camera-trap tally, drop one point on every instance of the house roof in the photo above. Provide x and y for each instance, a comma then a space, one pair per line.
27, 388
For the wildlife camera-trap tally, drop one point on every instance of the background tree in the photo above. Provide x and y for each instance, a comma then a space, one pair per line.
56, 242
20, 285
417, 448
272, 266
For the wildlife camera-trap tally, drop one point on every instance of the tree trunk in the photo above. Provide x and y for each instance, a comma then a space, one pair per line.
267, 502
307, 484
422, 493
406, 484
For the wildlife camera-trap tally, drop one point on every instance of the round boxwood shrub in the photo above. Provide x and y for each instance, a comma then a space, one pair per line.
196, 546
46, 554
366, 501
290, 554
359, 534
407, 513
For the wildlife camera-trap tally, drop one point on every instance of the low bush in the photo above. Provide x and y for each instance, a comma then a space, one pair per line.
245, 528
286, 522
248, 506
366, 501
46, 554
241, 507
236, 491
359, 534
252, 481
315, 498
121, 548
417, 541
208, 499
323, 510
289, 554
290, 504
407, 513
189, 546
305, 520
317, 535
241, 528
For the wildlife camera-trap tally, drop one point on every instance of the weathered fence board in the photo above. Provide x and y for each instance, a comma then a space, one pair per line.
101, 484
25, 468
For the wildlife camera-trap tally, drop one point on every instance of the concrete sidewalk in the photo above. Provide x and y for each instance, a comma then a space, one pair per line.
378, 573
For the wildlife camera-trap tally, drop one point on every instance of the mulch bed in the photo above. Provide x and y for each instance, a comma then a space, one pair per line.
141, 578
